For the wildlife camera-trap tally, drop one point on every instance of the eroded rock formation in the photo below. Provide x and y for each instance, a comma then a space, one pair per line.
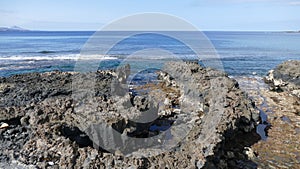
69, 120
285, 77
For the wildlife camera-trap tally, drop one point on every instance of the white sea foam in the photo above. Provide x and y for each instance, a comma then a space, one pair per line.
16, 67
58, 57
96, 57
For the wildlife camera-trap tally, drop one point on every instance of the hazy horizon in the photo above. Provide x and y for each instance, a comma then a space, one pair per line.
200, 30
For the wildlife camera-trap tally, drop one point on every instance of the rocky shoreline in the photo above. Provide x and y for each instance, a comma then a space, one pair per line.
279, 100
285, 77
202, 119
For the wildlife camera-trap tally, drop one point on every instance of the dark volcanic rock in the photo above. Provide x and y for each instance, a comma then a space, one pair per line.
285, 77
60, 119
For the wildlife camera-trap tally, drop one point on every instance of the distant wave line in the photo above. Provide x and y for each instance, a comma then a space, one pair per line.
61, 57
53, 51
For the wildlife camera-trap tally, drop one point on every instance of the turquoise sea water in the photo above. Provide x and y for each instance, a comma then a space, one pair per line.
241, 53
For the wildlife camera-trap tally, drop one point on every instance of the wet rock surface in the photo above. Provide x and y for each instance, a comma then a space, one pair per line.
195, 117
281, 148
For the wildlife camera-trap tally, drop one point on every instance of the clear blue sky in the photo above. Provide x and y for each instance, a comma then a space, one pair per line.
205, 14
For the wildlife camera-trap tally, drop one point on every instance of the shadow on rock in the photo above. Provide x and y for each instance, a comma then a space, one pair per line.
234, 151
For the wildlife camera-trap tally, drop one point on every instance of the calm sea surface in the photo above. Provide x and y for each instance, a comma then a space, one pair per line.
241, 53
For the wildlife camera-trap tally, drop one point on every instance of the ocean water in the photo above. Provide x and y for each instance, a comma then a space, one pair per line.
241, 53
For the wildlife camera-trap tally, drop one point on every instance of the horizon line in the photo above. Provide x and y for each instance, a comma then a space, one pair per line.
87, 30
